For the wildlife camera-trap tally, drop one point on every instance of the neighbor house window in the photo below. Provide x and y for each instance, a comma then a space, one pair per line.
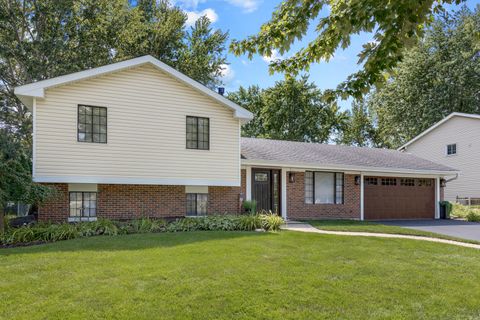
92, 124
198, 133
83, 205
451, 149
324, 187
197, 204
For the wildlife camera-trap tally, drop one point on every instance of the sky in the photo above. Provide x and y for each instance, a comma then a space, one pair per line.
242, 18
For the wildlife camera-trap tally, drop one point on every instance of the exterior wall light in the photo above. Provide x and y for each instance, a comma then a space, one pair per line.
291, 177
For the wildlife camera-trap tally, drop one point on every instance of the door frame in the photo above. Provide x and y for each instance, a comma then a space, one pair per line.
271, 171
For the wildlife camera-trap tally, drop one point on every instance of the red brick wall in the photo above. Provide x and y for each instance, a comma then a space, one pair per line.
57, 208
298, 209
116, 201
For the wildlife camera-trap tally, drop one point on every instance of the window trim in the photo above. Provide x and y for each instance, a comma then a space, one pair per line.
334, 188
106, 123
196, 205
82, 217
451, 154
186, 128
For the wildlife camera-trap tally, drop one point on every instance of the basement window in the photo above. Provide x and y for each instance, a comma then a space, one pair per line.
83, 206
197, 204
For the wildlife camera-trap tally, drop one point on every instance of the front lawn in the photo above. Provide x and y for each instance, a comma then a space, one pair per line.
239, 275
374, 227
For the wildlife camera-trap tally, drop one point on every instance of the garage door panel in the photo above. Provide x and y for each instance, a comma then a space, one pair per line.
399, 201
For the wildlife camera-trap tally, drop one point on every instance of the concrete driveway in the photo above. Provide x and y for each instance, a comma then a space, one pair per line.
454, 228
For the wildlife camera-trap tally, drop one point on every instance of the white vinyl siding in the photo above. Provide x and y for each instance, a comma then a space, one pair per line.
465, 133
146, 130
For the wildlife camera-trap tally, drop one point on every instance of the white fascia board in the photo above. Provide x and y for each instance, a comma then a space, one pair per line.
153, 181
37, 89
450, 116
370, 170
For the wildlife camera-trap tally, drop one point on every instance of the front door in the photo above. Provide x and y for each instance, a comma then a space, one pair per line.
266, 189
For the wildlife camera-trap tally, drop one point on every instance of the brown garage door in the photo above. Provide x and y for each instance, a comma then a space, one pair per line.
399, 198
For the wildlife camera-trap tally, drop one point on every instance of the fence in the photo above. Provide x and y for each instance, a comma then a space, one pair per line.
468, 201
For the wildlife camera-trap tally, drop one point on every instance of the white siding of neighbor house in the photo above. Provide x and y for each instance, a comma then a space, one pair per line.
146, 133
465, 132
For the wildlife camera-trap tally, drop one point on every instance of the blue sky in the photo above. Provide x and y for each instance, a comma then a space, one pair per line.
244, 17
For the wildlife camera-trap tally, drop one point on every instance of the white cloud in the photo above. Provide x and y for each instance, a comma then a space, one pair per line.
246, 5
227, 74
274, 56
193, 16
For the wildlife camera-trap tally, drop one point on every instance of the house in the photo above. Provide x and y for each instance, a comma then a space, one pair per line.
138, 138
454, 142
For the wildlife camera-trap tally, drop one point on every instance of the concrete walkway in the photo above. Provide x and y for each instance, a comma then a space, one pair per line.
305, 227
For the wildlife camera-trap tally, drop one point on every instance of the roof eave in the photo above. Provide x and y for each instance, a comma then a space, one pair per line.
27, 92
349, 168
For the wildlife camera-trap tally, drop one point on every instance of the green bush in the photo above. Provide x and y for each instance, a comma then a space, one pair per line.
249, 222
473, 215
48, 232
469, 213
250, 206
271, 221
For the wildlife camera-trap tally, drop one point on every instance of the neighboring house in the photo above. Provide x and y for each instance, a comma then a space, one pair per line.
454, 142
138, 138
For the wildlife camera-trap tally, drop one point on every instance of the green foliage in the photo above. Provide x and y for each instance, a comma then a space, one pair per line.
249, 222
48, 232
250, 206
293, 110
473, 215
358, 129
15, 177
469, 213
271, 221
395, 26
439, 76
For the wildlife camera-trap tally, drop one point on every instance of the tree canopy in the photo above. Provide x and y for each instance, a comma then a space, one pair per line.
292, 109
438, 76
395, 25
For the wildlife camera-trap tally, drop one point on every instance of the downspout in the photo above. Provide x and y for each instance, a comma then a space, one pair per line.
451, 179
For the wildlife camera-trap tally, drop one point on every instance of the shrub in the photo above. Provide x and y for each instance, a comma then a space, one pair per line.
271, 221
250, 222
473, 215
250, 206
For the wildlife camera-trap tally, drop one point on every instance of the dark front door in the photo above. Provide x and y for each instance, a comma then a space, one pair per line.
266, 189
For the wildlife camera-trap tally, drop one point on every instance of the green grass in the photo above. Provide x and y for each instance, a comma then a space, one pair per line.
235, 275
373, 227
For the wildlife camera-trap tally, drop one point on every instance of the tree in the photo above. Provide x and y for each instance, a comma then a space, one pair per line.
395, 25
45, 39
15, 178
291, 110
439, 76
358, 129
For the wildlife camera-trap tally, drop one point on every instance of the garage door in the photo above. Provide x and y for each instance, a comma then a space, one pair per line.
399, 198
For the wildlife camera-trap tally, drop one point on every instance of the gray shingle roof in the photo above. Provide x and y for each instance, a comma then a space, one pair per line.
302, 153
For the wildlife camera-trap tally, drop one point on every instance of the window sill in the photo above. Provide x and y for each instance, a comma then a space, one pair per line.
81, 219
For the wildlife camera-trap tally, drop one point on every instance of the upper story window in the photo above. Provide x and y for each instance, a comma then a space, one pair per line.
198, 133
92, 124
451, 149
324, 187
